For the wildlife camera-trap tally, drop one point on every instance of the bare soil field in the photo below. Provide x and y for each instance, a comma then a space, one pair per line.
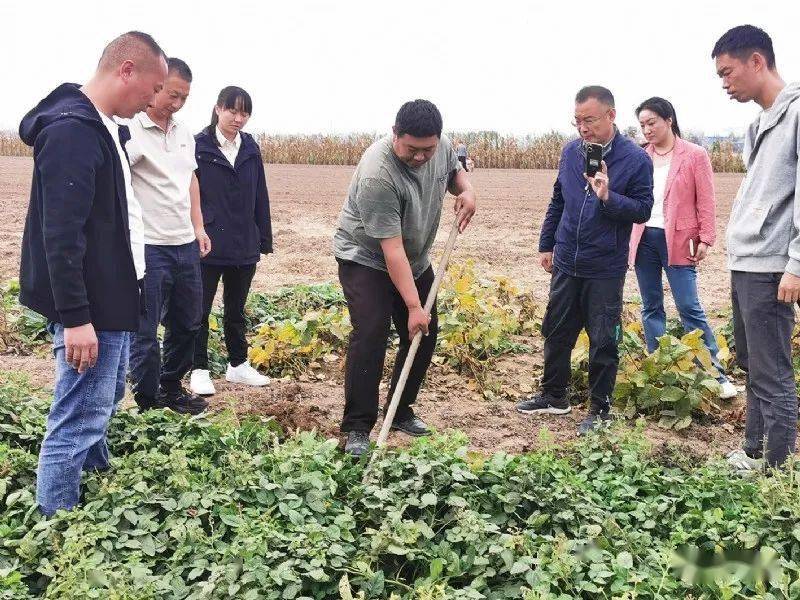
502, 240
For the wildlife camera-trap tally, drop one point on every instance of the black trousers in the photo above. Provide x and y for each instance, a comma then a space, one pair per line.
463, 161
374, 302
576, 303
236, 285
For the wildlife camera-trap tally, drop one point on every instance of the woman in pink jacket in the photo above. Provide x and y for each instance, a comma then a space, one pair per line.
682, 222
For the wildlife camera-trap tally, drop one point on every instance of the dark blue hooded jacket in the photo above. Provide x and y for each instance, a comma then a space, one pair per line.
77, 265
589, 238
234, 200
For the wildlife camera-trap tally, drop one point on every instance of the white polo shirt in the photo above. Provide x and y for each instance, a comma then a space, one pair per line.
162, 164
134, 209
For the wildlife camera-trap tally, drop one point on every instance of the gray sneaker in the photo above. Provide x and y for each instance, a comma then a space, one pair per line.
544, 404
413, 426
357, 443
745, 466
594, 421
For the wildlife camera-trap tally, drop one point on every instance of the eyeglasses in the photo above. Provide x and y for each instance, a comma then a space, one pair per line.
588, 121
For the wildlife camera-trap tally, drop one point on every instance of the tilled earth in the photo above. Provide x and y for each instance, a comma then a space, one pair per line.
502, 240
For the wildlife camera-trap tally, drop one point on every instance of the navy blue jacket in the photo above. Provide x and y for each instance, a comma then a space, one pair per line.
234, 200
77, 265
589, 238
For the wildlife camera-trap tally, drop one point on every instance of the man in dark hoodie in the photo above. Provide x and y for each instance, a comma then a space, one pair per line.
763, 242
584, 244
83, 254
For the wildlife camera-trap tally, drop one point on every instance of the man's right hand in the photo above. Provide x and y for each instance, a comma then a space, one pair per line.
418, 320
546, 260
203, 241
80, 344
789, 288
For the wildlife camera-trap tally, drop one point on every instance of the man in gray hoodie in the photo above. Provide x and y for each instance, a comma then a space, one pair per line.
764, 245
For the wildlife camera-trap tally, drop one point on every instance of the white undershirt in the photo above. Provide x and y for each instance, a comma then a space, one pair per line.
135, 223
659, 184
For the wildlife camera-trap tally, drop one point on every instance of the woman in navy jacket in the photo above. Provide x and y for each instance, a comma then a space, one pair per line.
235, 205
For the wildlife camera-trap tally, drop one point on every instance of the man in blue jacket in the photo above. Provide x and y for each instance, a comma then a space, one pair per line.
83, 254
584, 244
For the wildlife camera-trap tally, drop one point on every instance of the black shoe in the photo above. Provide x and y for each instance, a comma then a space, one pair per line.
144, 402
593, 421
357, 443
412, 425
181, 401
544, 404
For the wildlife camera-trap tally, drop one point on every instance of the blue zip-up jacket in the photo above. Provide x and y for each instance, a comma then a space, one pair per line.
76, 265
234, 200
589, 238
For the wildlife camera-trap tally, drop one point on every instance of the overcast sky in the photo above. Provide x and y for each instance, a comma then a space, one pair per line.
347, 65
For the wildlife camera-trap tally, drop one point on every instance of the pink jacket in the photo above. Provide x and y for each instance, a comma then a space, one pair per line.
689, 205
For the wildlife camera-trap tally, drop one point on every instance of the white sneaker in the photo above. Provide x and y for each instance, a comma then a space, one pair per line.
743, 464
200, 383
246, 374
728, 391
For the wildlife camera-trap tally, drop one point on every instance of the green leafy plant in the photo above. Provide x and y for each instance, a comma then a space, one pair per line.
288, 347
479, 319
288, 304
21, 330
214, 507
294, 327
292, 302
674, 382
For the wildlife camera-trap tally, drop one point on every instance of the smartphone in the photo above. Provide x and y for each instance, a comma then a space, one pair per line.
691, 248
594, 156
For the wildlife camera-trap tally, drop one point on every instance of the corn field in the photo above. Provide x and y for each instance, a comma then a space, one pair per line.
11, 145
314, 149
488, 150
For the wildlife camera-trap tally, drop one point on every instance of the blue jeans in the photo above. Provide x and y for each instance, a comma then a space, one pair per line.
651, 260
173, 294
83, 404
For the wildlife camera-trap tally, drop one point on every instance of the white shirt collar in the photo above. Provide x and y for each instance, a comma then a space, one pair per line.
105, 118
223, 141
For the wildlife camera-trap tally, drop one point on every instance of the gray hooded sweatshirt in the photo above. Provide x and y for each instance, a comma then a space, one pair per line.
764, 229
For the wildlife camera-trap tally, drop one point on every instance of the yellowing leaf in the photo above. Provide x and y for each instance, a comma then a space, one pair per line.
467, 301
694, 339
286, 333
462, 285
634, 327
724, 352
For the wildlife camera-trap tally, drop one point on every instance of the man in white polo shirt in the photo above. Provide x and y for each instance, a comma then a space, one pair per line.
161, 152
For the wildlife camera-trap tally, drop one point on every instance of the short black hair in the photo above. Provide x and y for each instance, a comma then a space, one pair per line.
128, 45
179, 67
598, 92
741, 41
418, 118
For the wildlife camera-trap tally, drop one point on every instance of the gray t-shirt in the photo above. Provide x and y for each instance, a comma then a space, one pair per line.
387, 198
461, 150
